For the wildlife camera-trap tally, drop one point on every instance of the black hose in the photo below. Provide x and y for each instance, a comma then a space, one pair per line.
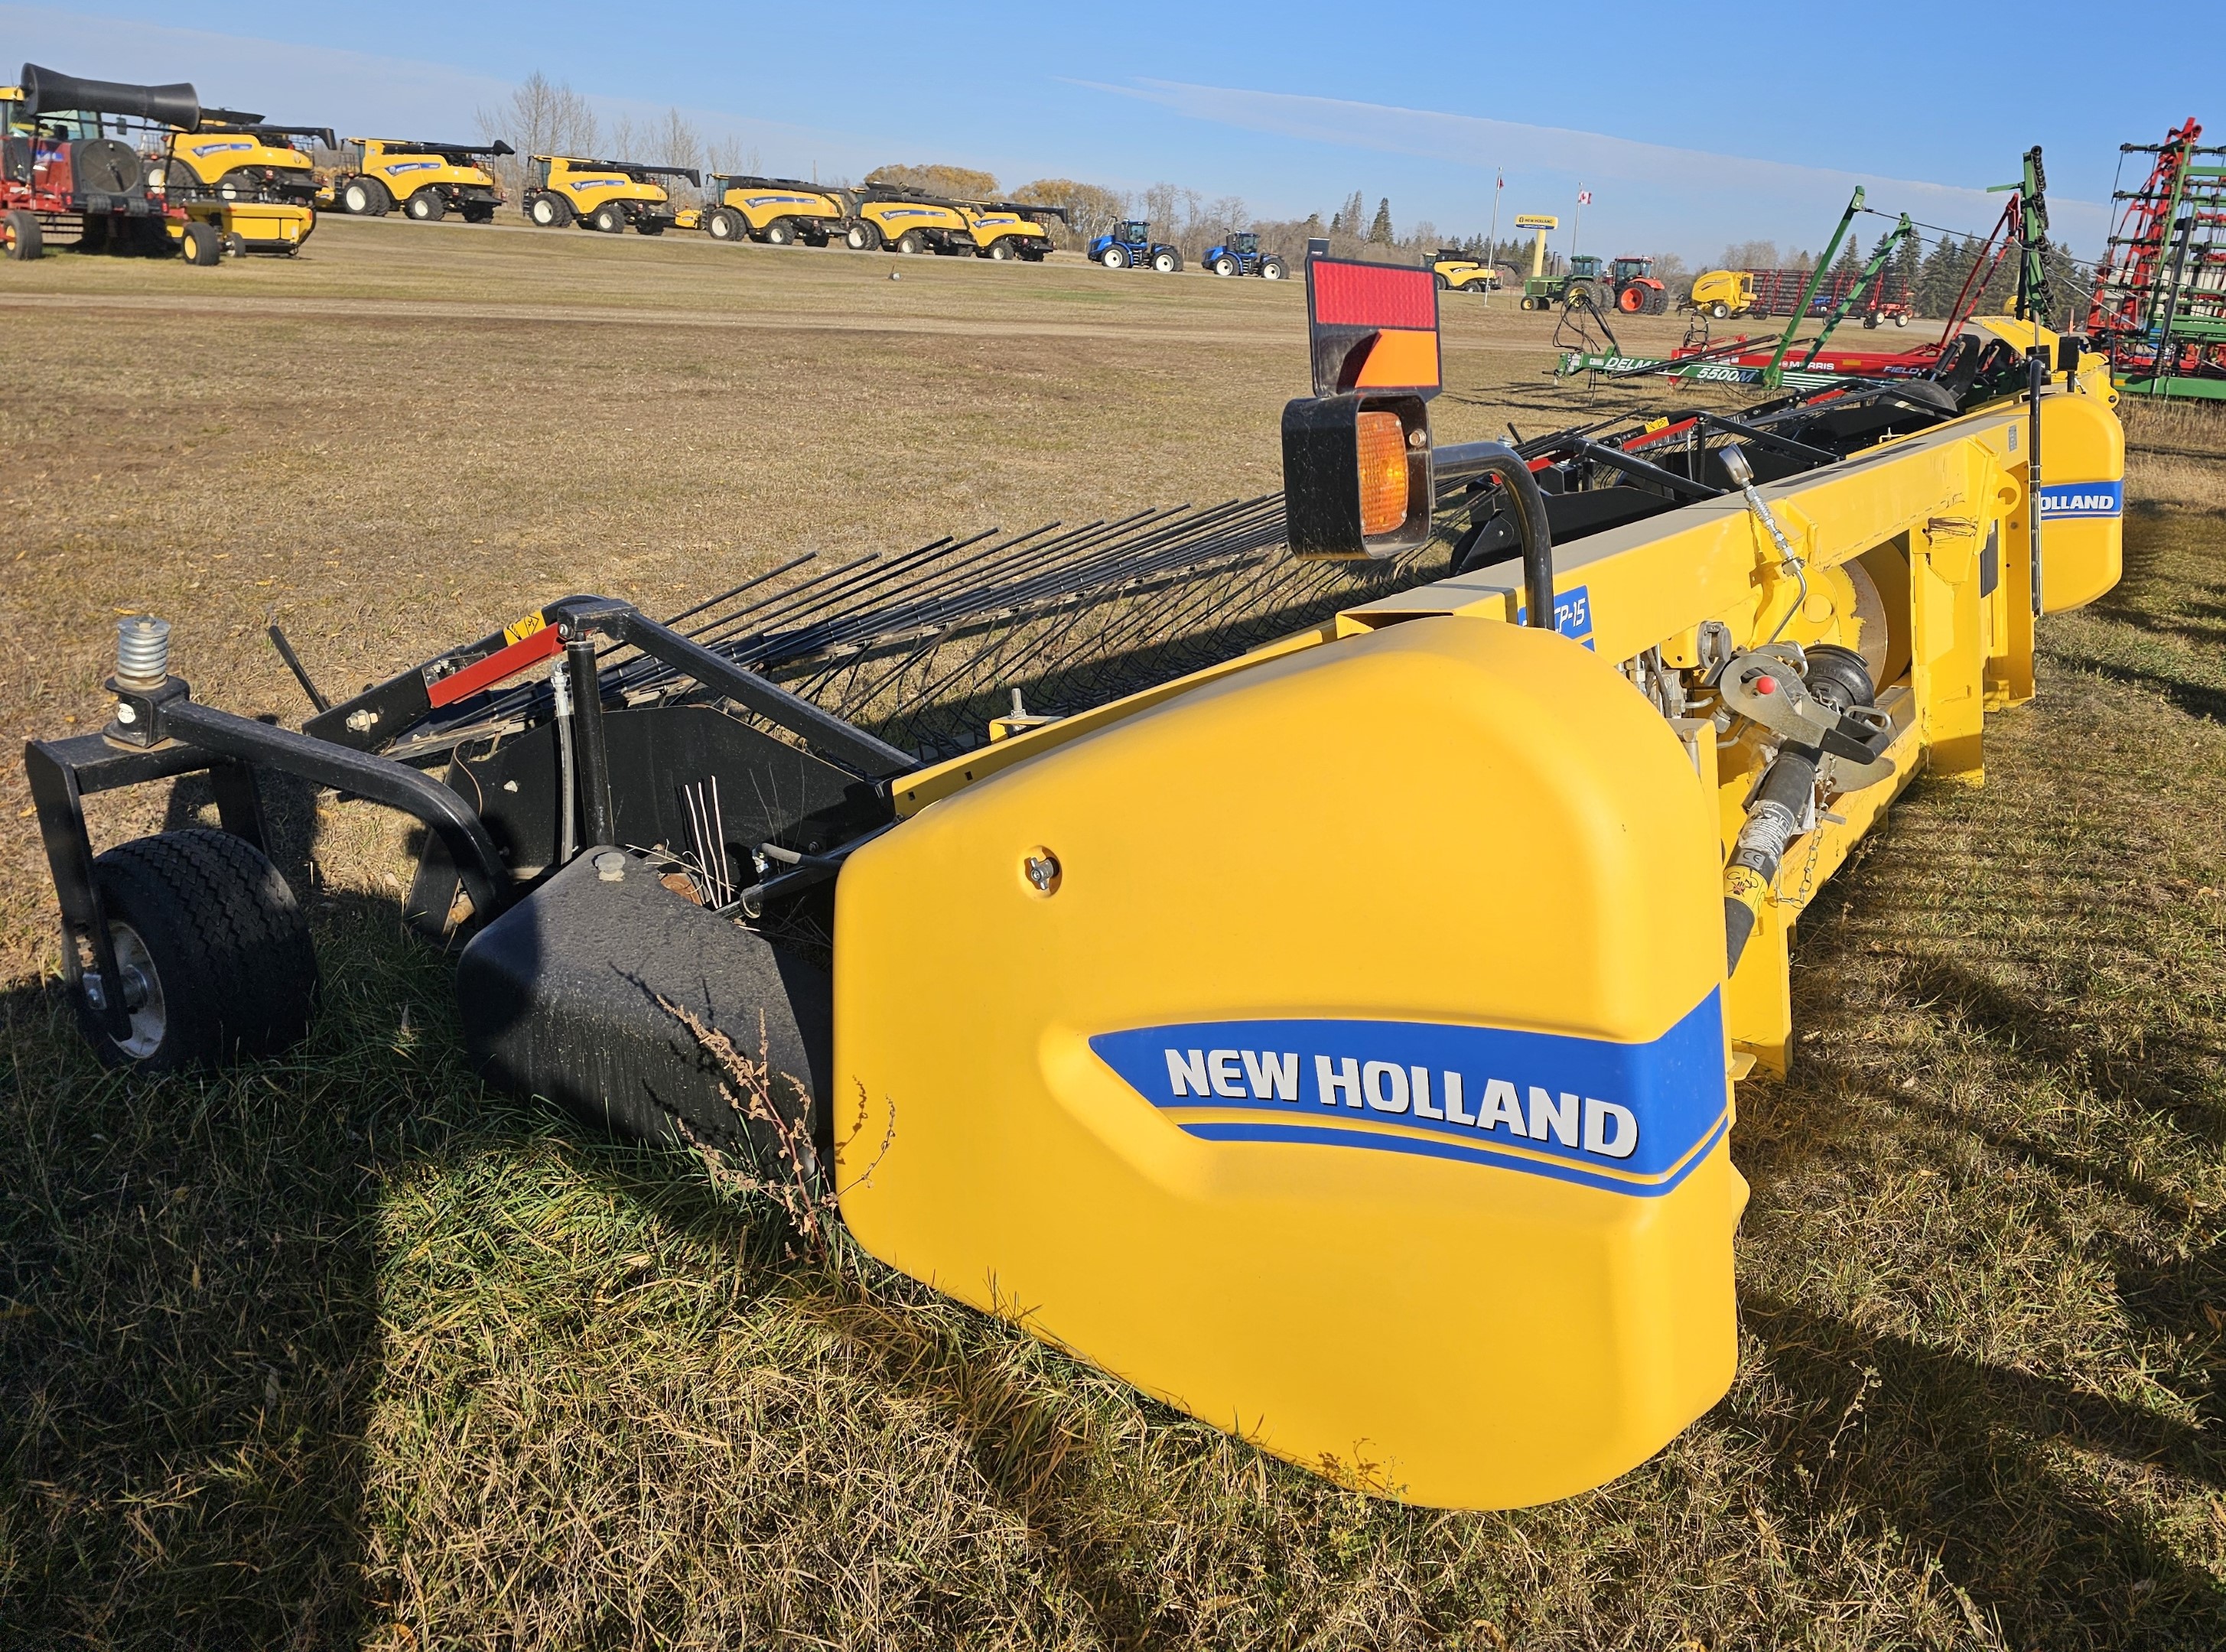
1771, 824
1464, 459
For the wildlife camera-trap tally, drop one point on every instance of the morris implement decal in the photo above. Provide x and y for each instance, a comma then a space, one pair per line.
1626, 1118
2062, 500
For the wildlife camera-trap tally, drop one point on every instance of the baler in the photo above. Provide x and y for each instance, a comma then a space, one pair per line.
1297, 956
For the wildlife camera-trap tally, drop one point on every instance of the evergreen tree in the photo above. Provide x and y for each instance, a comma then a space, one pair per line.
1850, 263
1347, 216
1939, 277
1908, 260
1380, 230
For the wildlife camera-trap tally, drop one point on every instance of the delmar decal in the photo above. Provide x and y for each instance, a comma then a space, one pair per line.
1627, 1118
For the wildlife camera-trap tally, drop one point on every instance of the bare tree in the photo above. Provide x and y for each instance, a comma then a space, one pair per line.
541, 117
1092, 209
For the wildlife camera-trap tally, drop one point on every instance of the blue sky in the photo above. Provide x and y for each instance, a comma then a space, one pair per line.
1689, 134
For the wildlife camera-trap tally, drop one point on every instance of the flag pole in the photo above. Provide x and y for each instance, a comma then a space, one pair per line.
1491, 242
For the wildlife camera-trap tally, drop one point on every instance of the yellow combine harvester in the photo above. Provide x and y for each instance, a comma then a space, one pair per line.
780, 211
1297, 956
905, 220
427, 180
244, 176
606, 195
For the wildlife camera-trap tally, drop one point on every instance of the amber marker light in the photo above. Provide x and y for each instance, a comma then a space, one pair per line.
1383, 441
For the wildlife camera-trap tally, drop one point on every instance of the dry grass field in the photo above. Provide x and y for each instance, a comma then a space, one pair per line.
344, 1352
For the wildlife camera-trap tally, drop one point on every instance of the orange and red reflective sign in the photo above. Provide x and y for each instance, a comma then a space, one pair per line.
1372, 327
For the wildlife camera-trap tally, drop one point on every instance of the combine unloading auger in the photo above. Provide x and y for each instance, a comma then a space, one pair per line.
1295, 954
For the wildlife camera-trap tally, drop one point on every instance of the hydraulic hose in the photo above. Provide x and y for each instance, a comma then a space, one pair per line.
1463, 460
1771, 824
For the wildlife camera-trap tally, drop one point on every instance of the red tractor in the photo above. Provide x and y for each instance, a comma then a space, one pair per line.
74, 167
1636, 291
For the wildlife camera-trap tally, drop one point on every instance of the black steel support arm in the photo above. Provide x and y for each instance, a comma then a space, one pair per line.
843, 741
381, 779
1464, 459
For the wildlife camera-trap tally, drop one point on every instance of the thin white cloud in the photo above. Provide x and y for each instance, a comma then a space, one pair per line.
1640, 188
354, 92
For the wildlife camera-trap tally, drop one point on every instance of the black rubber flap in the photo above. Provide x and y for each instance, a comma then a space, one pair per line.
560, 994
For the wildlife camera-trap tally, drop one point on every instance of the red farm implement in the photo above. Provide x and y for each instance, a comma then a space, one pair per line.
2159, 306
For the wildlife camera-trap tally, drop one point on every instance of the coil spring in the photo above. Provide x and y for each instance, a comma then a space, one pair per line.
142, 648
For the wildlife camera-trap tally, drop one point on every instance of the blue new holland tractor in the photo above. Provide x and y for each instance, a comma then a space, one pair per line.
1131, 246
1240, 255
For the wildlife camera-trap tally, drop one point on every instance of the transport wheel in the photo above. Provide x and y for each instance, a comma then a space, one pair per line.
725, 224
1271, 269
214, 952
204, 244
1000, 252
235, 245
1114, 258
1901, 320
609, 218
426, 206
862, 237
20, 233
780, 233
366, 198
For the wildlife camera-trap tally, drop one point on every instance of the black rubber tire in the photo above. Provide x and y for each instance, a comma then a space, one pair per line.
1166, 262
1439, 281
609, 219
235, 245
1227, 266
725, 224
238, 184
1114, 257
649, 227
203, 244
781, 232
863, 236
912, 243
426, 206
371, 193
26, 239
227, 944
478, 211
551, 210
1271, 268
999, 251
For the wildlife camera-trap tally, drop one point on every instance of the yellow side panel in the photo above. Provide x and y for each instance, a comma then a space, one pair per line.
1179, 1100
2083, 469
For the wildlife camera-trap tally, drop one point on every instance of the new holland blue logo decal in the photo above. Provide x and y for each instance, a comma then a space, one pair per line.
1573, 614
221, 149
393, 167
1628, 1118
2065, 499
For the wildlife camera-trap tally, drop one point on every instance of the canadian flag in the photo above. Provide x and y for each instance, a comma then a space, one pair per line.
1584, 197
